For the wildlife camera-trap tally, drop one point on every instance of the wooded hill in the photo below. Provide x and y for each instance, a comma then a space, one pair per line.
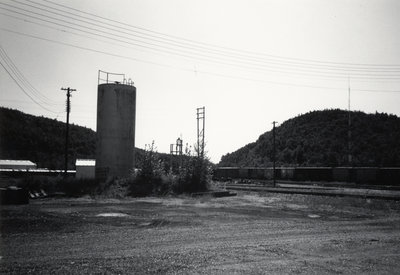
42, 140
320, 138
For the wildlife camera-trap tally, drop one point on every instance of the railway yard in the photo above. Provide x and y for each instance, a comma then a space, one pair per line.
251, 233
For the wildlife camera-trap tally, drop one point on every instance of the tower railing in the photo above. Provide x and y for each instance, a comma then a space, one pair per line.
104, 77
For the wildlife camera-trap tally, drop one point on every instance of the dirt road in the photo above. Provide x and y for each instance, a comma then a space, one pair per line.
248, 234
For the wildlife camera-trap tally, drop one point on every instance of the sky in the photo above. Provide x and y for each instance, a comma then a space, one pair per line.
249, 63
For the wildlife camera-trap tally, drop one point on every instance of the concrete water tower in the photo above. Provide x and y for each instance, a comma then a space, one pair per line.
116, 114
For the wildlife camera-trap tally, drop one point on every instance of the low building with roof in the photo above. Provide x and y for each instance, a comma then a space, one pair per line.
85, 168
17, 164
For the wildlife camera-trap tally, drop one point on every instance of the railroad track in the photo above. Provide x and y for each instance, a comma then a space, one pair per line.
318, 190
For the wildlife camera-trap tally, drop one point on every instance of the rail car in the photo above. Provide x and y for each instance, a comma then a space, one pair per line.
361, 175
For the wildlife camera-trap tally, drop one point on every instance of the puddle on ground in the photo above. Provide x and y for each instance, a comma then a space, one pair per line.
112, 215
295, 206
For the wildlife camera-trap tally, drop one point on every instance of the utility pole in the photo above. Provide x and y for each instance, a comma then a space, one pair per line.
273, 154
69, 90
349, 129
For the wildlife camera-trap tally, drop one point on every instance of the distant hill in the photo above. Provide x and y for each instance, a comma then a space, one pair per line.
42, 140
319, 138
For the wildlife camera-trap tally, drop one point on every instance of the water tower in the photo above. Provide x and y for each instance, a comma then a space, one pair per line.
116, 113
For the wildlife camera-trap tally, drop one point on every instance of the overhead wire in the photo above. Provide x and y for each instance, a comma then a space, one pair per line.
5, 62
222, 63
185, 69
25, 81
252, 66
236, 51
349, 69
180, 43
24, 91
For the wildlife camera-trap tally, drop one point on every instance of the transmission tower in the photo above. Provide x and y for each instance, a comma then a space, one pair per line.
177, 149
201, 114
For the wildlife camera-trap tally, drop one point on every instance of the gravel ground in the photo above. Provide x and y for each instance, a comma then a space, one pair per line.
248, 234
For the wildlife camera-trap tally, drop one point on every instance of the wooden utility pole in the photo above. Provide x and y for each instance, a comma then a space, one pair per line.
273, 154
69, 90
349, 158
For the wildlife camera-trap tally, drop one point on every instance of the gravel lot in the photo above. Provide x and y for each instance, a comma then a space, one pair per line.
248, 234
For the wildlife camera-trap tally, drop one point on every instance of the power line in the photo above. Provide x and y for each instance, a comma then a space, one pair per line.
14, 78
25, 92
179, 44
236, 51
25, 81
360, 72
190, 70
274, 71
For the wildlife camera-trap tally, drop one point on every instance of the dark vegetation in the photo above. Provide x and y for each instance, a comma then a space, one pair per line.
183, 174
319, 138
42, 141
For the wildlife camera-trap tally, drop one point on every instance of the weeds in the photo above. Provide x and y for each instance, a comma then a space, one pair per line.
191, 175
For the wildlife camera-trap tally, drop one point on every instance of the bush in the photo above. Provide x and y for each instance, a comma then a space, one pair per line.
193, 176
149, 179
152, 178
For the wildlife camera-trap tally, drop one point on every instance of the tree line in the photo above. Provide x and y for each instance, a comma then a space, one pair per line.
321, 138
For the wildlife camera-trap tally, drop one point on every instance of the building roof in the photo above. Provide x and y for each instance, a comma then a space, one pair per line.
85, 162
16, 162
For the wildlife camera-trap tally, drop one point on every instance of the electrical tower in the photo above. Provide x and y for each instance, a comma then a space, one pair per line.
178, 147
201, 114
68, 109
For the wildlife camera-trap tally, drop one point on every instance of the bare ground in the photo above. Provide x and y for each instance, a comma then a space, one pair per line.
248, 234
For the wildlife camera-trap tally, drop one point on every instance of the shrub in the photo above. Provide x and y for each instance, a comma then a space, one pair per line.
149, 178
192, 175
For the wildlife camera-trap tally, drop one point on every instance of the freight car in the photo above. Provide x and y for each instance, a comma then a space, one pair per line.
360, 175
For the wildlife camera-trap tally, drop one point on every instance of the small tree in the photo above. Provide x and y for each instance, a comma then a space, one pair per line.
150, 175
194, 175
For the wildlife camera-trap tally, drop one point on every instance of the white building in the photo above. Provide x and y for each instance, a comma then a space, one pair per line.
85, 168
17, 164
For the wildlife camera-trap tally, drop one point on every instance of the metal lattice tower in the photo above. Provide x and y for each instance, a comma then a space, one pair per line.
178, 147
201, 114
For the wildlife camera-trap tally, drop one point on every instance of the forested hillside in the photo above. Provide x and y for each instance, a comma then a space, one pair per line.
42, 140
320, 138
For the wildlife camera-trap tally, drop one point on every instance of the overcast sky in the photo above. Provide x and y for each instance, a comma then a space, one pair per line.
248, 62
